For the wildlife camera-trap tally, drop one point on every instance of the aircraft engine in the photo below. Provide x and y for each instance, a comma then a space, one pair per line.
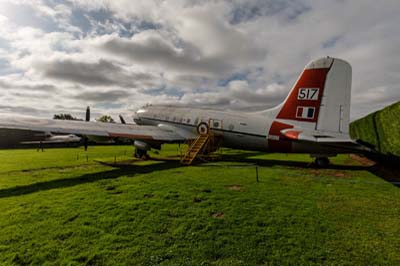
141, 145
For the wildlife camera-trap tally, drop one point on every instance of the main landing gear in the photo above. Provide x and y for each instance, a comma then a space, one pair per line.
321, 162
141, 154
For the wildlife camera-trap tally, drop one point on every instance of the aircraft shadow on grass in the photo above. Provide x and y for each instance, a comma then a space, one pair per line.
120, 170
131, 170
385, 172
244, 157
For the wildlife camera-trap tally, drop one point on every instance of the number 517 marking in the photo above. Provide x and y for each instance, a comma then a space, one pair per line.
308, 94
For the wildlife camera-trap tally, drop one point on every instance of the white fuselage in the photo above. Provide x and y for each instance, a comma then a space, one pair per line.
239, 130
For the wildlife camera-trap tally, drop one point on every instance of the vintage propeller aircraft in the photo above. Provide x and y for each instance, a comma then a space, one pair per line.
314, 119
50, 138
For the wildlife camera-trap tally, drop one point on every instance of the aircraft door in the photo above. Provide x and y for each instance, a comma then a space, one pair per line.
215, 124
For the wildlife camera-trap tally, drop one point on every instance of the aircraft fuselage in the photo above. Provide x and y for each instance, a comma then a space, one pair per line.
240, 130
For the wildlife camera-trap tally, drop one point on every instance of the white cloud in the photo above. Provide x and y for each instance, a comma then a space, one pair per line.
230, 54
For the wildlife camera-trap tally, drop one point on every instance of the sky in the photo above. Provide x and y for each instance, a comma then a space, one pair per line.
118, 55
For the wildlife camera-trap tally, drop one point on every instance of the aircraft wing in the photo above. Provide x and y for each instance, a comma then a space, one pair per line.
110, 130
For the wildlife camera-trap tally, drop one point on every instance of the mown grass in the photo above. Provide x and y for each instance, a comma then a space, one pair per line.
57, 210
381, 129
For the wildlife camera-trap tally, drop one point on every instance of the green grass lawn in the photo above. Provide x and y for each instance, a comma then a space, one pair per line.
57, 208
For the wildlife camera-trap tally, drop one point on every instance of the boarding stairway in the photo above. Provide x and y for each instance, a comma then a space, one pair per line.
203, 145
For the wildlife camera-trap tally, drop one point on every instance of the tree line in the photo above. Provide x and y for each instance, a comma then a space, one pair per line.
104, 118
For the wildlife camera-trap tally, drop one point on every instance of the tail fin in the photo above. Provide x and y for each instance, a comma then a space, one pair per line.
320, 99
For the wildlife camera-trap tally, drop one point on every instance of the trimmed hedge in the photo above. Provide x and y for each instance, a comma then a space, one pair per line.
380, 129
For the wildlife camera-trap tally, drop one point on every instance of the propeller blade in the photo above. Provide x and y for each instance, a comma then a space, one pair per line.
87, 119
122, 119
87, 114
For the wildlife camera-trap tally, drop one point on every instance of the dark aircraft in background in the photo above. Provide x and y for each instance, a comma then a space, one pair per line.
15, 138
55, 139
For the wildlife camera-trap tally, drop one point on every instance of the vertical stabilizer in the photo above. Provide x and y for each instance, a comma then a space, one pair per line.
320, 99
335, 105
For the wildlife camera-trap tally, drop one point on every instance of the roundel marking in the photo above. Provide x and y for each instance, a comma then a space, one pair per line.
202, 128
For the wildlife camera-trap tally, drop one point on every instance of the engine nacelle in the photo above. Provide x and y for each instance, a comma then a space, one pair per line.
141, 145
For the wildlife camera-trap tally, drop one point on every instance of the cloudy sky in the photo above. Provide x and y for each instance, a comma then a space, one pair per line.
117, 55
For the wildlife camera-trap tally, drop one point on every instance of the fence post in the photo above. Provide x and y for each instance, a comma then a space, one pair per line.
257, 174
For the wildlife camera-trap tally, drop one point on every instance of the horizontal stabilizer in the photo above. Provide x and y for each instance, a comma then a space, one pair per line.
315, 136
327, 139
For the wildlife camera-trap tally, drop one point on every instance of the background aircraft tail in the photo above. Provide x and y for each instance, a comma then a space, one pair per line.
320, 99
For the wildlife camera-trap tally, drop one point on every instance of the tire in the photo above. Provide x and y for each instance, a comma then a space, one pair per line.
321, 162
140, 153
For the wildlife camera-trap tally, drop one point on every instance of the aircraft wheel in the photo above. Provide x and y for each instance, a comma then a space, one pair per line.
140, 153
322, 162
202, 128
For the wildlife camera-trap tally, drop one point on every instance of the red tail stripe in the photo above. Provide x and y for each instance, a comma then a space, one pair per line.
310, 78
